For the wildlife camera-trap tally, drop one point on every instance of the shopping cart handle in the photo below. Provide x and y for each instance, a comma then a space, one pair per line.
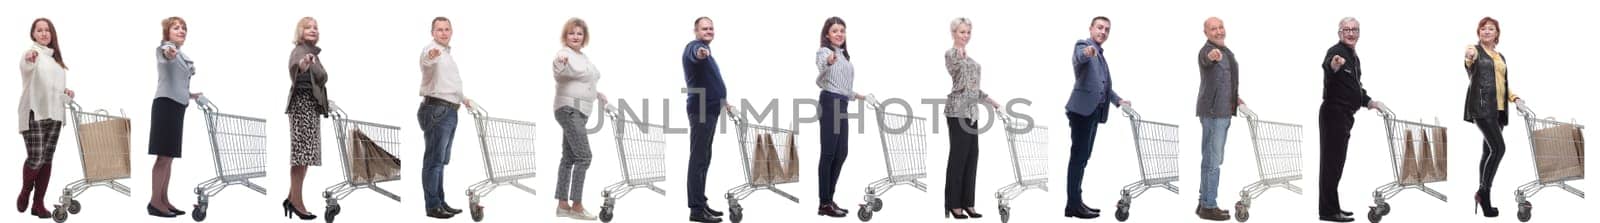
872, 100
205, 104
1526, 112
1129, 112
477, 110
1244, 111
1383, 111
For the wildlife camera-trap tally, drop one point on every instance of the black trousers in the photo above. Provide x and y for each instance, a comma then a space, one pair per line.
1084, 129
701, 131
961, 173
1333, 123
1494, 148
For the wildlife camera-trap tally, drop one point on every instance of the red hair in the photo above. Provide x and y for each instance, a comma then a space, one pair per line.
1491, 21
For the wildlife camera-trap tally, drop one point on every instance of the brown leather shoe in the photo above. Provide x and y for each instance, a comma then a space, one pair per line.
1214, 214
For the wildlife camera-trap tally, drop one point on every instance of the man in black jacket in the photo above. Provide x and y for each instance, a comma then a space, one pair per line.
1342, 96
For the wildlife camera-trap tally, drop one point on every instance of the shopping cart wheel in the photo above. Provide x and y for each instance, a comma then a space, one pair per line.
73, 207
605, 213
865, 213
736, 214
1122, 210
1244, 211
1384, 208
333, 210
59, 215
877, 204
477, 212
1374, 214
1524, 211
200, 211
1005, 214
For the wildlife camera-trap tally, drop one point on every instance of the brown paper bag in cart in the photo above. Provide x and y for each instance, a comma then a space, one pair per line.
758, 166
1425, 165
105, 149
1556, 152
1440, 155
793, 164
775, 172
1408, 161
369, 162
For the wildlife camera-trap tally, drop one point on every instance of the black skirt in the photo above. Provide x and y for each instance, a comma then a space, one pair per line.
166, 127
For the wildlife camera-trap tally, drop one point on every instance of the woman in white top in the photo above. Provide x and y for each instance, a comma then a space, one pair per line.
41, 111
836, 77
576, 79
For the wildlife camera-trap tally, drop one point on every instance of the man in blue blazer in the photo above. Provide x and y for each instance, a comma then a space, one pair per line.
1088, 107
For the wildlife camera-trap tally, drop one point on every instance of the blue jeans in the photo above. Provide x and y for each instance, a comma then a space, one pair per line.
438, 129
1214, 138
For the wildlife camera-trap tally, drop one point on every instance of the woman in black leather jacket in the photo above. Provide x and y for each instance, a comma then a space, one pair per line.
1486, 106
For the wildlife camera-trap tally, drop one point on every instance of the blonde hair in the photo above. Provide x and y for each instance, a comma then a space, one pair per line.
955, 24
168, 23
299, 36
576, 23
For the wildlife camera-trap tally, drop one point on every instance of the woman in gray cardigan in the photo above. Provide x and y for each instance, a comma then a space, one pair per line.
166, 113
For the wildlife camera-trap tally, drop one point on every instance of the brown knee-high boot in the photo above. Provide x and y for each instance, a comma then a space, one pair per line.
41, 182
27, 186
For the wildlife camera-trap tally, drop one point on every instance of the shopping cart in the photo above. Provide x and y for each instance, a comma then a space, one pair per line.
507, 155
641, 148
754, 137
238, 147
1557, 150
1277, 159
103, 150
1156, 145
905, 155
1030, 160
354, 156
1402, 141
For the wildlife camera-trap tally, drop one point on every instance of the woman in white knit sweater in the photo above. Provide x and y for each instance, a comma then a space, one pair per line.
41, 112
576, 93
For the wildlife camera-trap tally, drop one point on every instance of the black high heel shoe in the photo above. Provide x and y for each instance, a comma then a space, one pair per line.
1488, 211
972, 213
289, 208
152, 211
949, 213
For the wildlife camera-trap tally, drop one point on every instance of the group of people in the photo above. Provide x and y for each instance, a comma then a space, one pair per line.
45, 95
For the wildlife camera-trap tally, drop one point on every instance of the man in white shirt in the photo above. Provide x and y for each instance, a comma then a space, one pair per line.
441, 98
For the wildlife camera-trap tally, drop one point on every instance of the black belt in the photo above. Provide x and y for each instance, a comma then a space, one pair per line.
439, 102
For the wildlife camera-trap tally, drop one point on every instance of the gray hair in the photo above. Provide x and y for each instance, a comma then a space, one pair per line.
1348, 19
958, 22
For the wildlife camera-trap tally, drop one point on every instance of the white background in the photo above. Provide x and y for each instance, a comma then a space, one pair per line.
1411, 51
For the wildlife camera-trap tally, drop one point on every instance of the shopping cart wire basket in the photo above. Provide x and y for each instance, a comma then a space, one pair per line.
1557, 158
1278, 159
1030, 160
641, 150
508, 155
239, 149
103, 150
1156, 146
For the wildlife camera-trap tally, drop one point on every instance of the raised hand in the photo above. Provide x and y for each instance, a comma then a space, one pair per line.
1089, 51
171, 52
434, 53
1336, 62
832, 57
1215, 55
32, 56
702, 53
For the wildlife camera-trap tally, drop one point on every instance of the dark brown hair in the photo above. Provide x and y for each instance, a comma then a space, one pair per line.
825, 25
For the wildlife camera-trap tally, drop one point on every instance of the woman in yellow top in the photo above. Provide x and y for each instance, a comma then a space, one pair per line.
1487, 95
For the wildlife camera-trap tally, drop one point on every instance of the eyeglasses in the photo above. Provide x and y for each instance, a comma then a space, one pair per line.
1350, 30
